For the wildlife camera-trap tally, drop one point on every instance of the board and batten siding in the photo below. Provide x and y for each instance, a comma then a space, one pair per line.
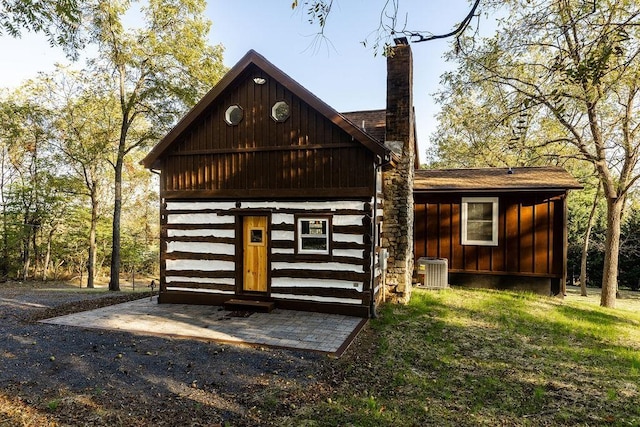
200, 250
530, 234
261, 158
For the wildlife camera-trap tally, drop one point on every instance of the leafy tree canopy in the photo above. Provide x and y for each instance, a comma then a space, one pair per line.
560, 79
59, 20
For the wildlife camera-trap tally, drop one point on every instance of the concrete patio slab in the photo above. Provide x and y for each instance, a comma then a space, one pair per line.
329, 333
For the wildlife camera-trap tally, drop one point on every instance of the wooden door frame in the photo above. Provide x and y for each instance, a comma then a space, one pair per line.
240, 215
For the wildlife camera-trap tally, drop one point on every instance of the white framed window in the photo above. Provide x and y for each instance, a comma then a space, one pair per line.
480, 221
313, 235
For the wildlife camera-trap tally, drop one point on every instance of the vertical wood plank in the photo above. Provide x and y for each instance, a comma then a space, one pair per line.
565, 248
457, 254
296, 122
541, 240
498, 252
201, 177
420, 230
484, 258
512, 253
444, 230
450, 233
237, 182
209, 142
286, 170
526, 237
269, 124
327, 159
433, 235
557, 212
470, 256
252, 134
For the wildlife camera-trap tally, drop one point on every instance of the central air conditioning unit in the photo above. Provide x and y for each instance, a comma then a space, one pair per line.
434, 273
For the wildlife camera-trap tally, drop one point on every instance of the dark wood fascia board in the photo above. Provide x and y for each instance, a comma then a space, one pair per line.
263, 149
233, 211
252, 57
292, 194
492, 190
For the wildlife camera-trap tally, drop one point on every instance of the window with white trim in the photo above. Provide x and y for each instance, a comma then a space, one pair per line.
480, 221
233, 115
280, 111
313, 235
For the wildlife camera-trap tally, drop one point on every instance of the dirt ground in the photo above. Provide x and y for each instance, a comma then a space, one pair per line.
54, 375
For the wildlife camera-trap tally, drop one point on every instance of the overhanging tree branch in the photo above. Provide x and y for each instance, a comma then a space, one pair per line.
318, 12
423, 36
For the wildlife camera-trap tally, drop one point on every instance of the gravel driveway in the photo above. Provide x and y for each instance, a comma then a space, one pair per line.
71, 376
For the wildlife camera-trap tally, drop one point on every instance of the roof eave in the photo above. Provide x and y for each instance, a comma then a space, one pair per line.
493, 190
198, 109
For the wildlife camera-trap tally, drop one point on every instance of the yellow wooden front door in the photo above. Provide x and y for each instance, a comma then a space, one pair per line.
255, 253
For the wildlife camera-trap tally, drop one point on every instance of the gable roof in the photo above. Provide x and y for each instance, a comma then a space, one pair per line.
491, 179
252, 57
374, 122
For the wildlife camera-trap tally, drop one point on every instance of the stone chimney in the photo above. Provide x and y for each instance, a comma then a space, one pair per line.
397, 230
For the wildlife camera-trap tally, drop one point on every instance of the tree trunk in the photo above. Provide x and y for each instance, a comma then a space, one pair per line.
26, 265
26, 254
114, 283
47, 256
585, 246
4, 266
36, 250
91, 262
611, 256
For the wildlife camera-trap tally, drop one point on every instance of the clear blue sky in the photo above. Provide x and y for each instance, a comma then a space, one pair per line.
344, 74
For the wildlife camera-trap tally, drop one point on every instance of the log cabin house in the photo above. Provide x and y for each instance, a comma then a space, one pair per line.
268, 194
502, 228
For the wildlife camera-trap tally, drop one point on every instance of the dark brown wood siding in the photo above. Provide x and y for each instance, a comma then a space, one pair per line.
262, 158
530, 234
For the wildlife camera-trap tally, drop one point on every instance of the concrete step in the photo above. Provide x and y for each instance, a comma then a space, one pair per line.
249, 305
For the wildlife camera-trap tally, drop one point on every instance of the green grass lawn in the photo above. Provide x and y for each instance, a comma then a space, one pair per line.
478, 357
